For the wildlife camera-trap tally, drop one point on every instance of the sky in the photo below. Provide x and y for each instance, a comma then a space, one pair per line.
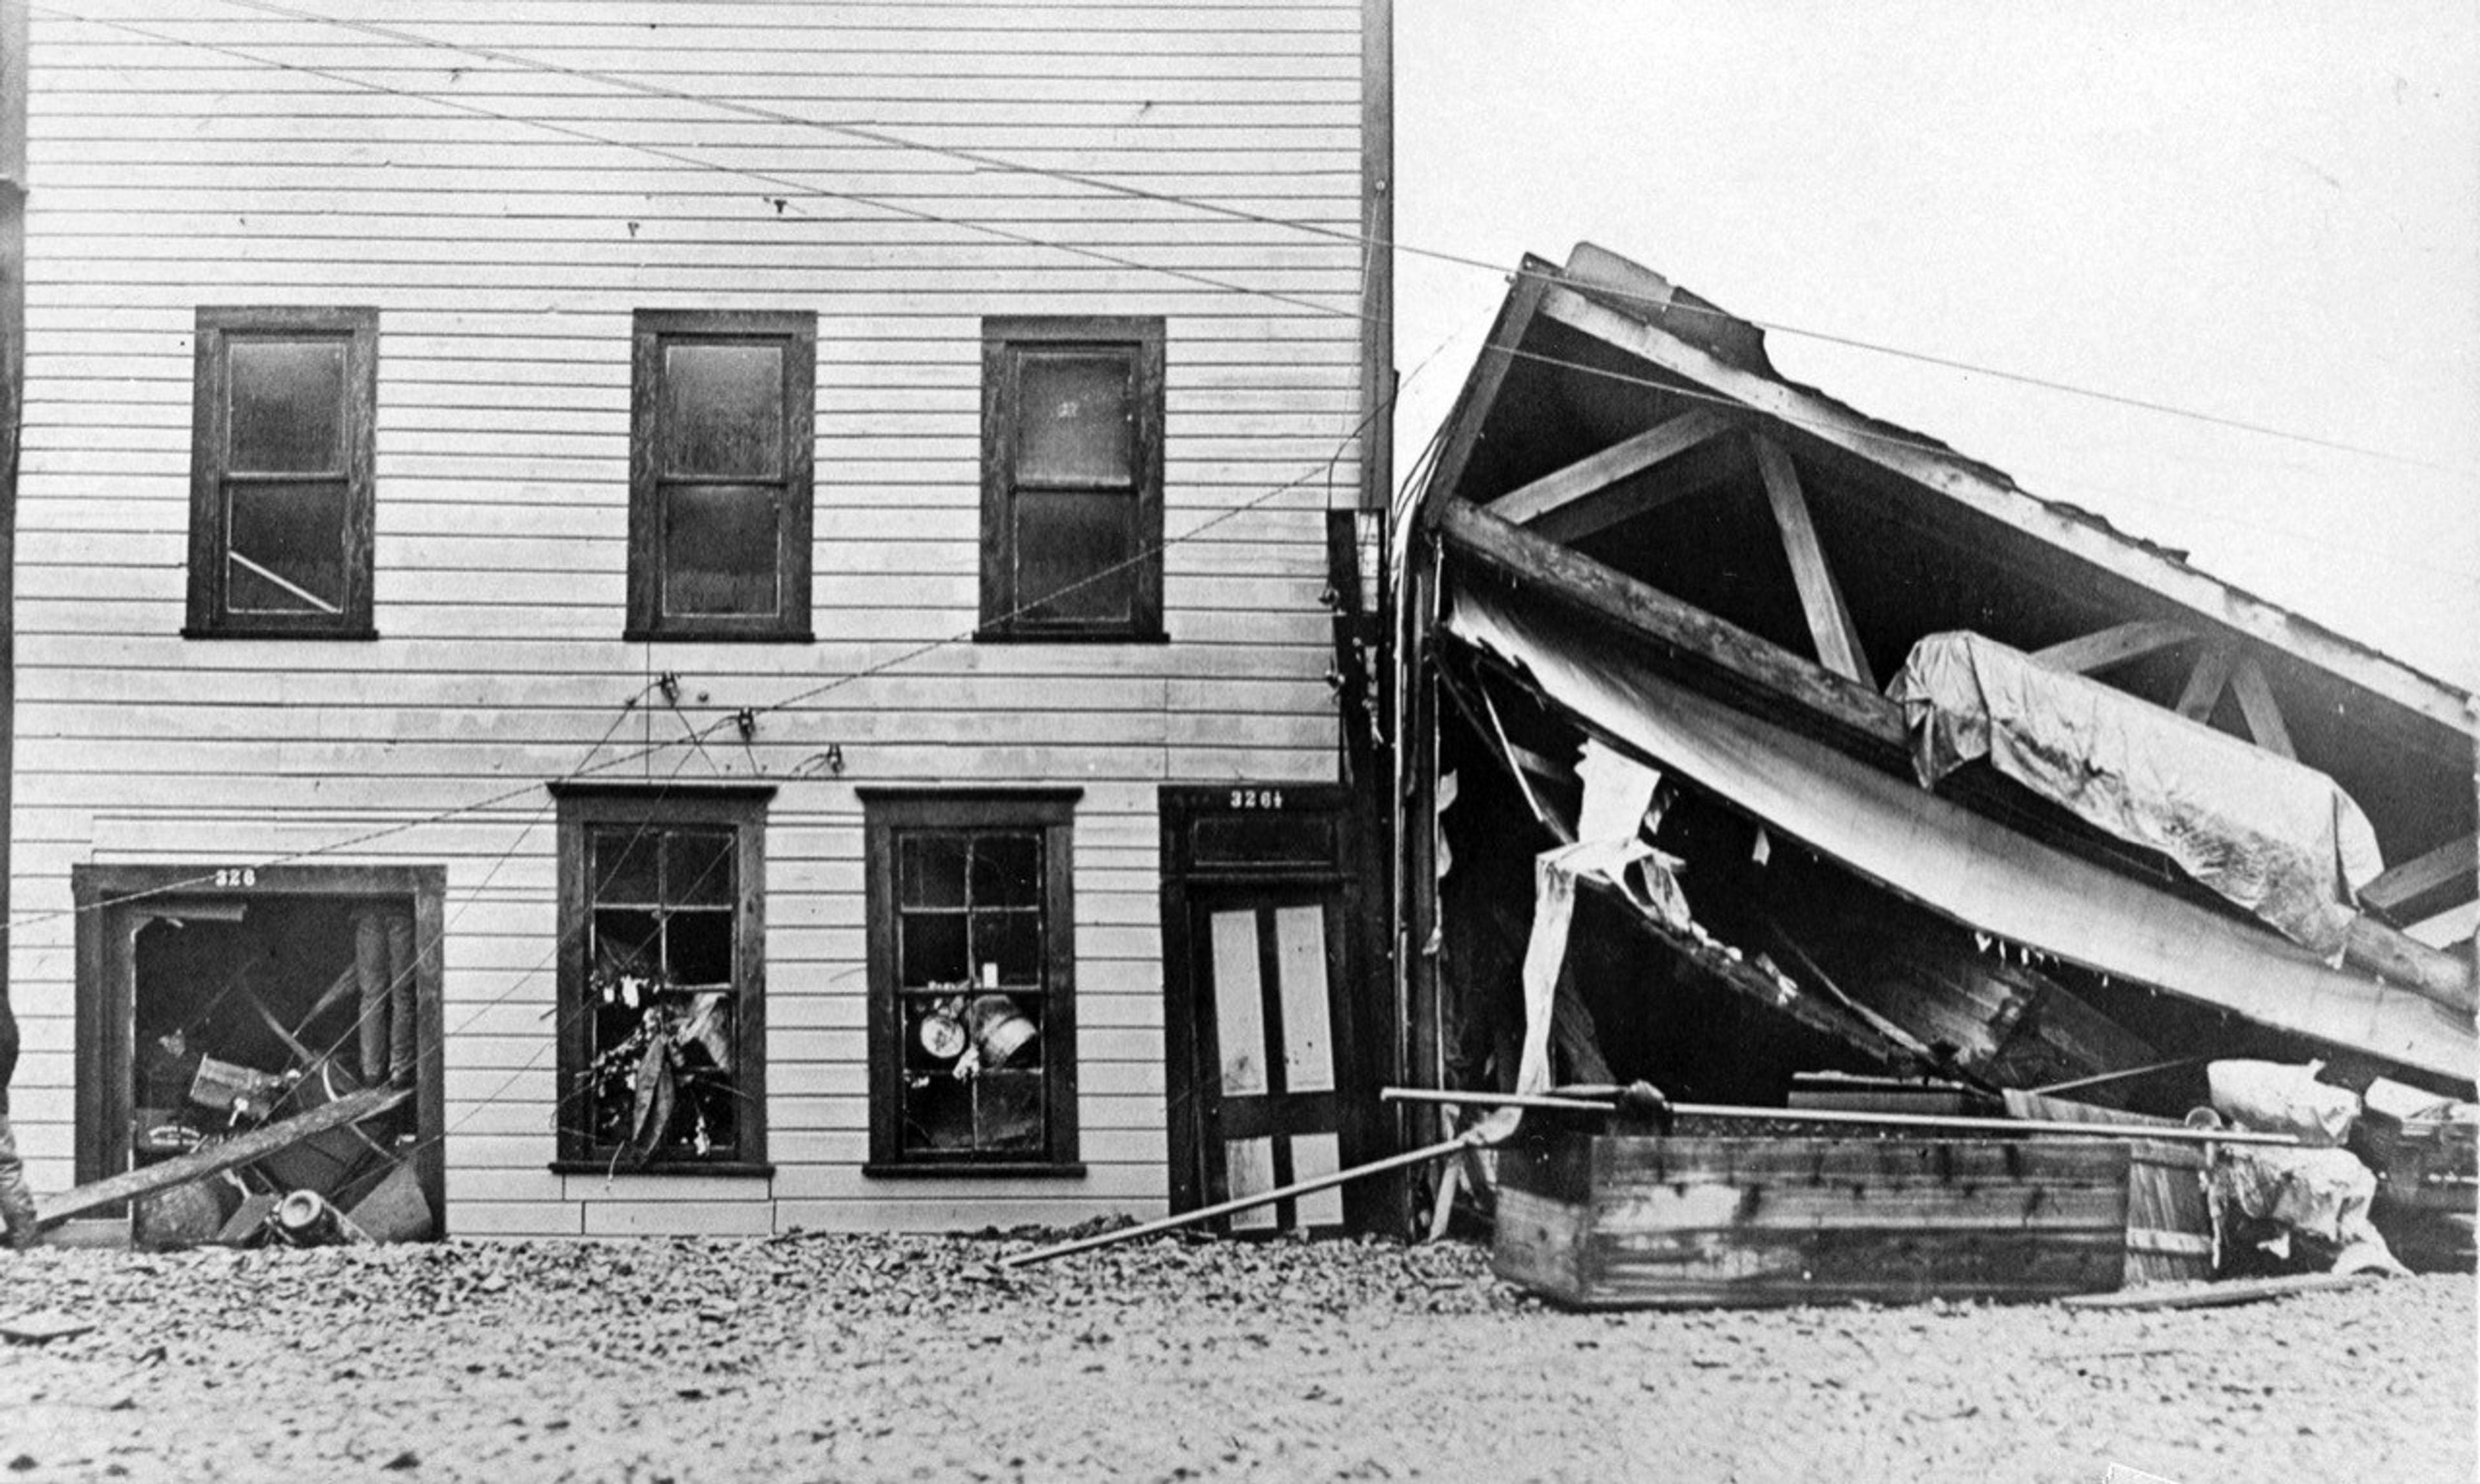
2263, 212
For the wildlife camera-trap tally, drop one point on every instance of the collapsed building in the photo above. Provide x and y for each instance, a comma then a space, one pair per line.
1878, 782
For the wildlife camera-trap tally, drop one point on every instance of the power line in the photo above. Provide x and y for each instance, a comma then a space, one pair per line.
802, 187
983, 160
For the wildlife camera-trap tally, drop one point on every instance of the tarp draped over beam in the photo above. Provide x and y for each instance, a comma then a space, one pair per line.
2272, 836
1949, 858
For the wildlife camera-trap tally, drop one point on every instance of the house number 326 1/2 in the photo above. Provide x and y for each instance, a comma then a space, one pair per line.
236, 876
1256, 798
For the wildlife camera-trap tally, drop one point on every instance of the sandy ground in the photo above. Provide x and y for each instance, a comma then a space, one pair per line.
901, 1358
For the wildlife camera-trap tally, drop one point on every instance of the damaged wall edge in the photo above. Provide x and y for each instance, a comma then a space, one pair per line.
1810, 700
1979, 872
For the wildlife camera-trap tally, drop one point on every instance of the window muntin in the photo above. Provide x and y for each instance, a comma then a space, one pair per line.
720, 498
973, 1003
662, 983
1071, 478
281, 457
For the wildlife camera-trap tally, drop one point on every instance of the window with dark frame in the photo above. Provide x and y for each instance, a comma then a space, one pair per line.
971, 981
662, 978
1071, 478
723, 426
283, 405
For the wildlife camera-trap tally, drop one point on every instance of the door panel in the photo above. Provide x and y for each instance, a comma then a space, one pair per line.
1249, 1167
1239, 1002
1309, 1024
1268, 975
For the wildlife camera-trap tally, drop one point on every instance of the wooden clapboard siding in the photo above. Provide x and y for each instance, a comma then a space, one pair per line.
505, 262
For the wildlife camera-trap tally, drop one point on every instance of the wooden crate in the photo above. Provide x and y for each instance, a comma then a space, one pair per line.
1596, 1221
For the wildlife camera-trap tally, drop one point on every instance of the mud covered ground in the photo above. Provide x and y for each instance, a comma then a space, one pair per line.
900, 1358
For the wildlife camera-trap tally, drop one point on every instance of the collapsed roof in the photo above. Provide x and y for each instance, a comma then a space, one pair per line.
1661, 540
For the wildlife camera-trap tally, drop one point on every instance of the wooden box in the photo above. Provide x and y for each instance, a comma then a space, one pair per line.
1599, 1220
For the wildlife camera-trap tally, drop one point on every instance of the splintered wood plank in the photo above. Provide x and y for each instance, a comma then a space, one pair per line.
1821, 597
1848, 1264
1616, 1220
2215, 1295
2204, 687
1562, 488
1538, 1242
2453, 864
215, 1159
2114, 645
2257, 705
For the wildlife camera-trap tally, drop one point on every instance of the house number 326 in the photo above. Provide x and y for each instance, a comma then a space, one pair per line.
1256, 798
236, 876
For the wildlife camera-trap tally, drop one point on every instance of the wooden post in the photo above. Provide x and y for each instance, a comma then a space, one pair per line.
1829, 617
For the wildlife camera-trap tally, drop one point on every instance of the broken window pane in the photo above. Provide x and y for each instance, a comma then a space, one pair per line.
933, 867
720, 548
1077, 421
1009, 941
664, 973
698, 948
628, 944
933, 948
723, 411
972, 994
287, 406
1071, 555
623, 865
284, 547
1007, 870
697, 867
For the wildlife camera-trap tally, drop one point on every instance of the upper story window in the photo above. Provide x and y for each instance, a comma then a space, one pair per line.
663, 1028
280, 484
972, 964
1071, 478
719, 475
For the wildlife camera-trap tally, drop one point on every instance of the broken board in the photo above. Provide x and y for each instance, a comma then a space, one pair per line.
213, 1159
1622, 1222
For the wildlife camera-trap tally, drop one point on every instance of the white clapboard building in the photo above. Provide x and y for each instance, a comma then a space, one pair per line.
748, 598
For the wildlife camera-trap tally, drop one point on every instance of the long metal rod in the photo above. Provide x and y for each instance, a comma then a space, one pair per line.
1469, 1138
2173, 1132
2129, 1075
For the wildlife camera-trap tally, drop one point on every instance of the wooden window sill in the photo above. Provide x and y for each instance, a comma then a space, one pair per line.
1068, 636
190, 631
1016, 1169
739, 1169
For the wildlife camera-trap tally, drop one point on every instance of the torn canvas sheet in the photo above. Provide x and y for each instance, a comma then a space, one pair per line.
2275, 837
1974, 869
2322, 1194
1619, 790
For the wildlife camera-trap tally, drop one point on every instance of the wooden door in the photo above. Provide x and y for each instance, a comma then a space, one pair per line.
1267, 973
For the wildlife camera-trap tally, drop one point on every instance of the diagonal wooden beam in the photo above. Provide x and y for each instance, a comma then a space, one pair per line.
2114, 645
1829, 619
2456, 864
2205, 682
2257, 705
1591, 475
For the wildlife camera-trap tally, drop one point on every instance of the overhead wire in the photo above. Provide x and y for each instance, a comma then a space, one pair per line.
985, 160
806, 189
693, 736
